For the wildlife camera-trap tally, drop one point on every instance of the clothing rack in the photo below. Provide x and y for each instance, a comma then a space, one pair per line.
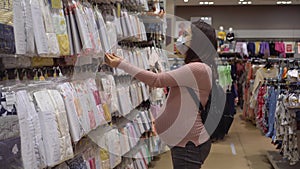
266, 39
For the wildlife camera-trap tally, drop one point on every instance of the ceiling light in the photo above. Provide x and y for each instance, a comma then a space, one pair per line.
206, 3
284, 2
244, 3
241, 0
185, 0
249, 2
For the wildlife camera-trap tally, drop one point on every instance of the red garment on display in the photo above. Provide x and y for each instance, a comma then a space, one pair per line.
261, 102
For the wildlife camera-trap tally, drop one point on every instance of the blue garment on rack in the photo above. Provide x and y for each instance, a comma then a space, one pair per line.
272, 108
251, 49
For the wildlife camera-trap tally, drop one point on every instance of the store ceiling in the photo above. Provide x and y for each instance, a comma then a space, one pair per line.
234, 2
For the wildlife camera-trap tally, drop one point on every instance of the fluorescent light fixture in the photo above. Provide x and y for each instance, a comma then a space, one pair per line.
242, 2
185, 1
206, 3
283, 2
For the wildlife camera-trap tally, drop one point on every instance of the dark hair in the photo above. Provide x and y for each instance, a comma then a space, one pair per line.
209, 31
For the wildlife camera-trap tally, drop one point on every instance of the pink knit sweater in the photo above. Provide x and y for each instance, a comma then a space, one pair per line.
179, 121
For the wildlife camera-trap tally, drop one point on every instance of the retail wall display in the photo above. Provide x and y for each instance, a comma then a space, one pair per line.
73, 28
61, 107
55, 117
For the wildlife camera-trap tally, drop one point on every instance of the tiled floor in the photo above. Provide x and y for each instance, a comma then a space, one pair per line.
244, 148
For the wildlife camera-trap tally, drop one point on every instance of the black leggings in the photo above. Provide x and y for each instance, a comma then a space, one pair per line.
190, 156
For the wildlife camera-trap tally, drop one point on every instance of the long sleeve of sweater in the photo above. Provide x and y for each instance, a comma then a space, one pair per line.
182, 76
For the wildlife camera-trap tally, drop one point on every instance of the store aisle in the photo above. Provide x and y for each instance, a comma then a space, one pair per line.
244, 148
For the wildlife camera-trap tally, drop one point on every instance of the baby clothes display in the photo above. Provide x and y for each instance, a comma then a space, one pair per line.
32, 143
72, 28
53, 120
49, 122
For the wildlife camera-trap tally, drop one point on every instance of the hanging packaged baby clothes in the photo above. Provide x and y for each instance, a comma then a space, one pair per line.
19, 20
91, 22
102, 30
85, 113
60, 28
75, 38
95, 101
49, 28
40, 37
117, 22
32, 143
113, 41
83, 28
57, 140
69, 96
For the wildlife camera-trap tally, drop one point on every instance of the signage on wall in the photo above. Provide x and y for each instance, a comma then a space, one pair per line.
204, 18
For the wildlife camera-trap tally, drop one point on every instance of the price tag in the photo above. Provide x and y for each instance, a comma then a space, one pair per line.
56, 4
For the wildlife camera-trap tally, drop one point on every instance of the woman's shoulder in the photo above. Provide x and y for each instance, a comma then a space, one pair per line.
198, 65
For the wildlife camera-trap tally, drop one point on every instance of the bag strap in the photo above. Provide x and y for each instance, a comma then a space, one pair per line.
195, 98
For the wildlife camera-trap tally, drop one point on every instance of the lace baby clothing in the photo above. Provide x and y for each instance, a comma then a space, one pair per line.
52, 112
